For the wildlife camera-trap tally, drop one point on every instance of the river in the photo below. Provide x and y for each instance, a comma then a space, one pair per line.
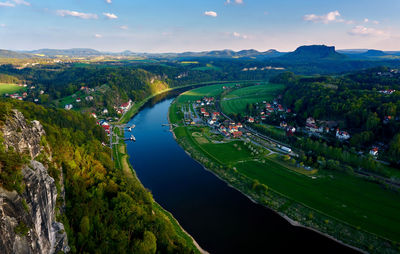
220, 218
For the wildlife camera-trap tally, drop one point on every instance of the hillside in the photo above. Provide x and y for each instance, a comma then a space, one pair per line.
102, 211
75, 52
314, 52
13, 54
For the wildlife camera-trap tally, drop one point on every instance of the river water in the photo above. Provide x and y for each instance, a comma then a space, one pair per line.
221, 219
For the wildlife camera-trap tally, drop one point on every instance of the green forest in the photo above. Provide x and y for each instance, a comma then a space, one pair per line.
105, 211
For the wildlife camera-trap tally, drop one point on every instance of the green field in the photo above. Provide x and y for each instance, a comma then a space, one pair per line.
207, 68
236, 101
9, 88
199, 93
357, 202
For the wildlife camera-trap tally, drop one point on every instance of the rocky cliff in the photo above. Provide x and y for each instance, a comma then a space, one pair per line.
27, 220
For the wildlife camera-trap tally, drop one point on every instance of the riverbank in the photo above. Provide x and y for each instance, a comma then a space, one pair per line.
122, 162
298, 214
137, 106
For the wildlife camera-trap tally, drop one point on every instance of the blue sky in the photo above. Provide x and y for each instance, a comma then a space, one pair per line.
187, 25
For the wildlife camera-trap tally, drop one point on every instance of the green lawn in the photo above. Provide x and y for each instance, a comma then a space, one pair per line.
236, 101
272, 129
9, 88
199, 93
228, 152
347, 198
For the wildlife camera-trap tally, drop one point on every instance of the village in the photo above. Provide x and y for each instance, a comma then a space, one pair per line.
206, 113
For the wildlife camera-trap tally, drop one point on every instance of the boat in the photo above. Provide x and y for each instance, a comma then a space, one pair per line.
129, 129
133, 138
133, 126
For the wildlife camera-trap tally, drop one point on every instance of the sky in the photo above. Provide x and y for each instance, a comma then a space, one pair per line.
188, 25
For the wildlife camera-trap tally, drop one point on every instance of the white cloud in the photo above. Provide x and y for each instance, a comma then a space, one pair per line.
110, 15
211, 13
367, 31
234, 1
109, 1
7, 4
375, 22
124, 27
238, 35
81, 15
19, 2
3, 25
98, 36
333, 16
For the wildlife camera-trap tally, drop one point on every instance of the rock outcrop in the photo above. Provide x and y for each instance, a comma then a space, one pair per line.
27, 220
22, 136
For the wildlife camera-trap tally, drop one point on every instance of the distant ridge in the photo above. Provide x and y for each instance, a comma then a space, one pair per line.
74, 52
12, 54
314, 52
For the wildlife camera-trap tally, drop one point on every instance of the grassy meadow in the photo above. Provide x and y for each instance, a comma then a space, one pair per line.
9, 88
236, 101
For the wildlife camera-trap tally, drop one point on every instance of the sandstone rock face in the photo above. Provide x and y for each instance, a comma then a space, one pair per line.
34, 210
22, 136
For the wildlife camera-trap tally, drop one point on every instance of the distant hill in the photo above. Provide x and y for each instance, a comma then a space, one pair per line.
13, 54
227, 53
371, 54
314, 52
75, 52
374, 53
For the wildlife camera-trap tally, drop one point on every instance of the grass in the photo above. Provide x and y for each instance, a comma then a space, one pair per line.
352, 200
272, 129
237, 100
9, 88
207, 68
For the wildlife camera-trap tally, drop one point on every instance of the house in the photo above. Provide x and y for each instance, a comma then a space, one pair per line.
283, 124
374, 151
206, 114
202, 110
36, 100
222, 128
41, 92
93, 115
237, 134
310, 121
89, 98
263, 118
68, 106
105, 111
280, 108
126, 106
251, 120
78, 100
288, 110
239, 125
342, 135
270, 109
211, 122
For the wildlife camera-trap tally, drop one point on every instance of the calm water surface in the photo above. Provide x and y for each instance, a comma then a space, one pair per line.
221, 219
